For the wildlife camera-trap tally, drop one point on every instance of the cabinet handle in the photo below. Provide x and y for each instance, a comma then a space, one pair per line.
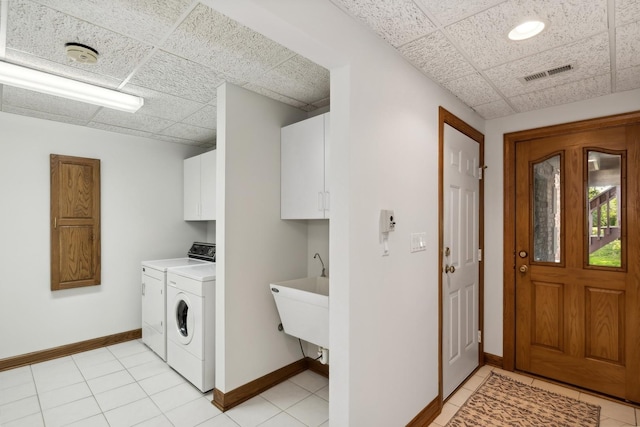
143, 289
326, 202
320, 201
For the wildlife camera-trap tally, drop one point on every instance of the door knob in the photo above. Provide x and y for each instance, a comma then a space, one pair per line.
449, 269
524, 269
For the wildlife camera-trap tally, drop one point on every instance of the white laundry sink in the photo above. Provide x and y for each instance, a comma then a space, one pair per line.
303, 305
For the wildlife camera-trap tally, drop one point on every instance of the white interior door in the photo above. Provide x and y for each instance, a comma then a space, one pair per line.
460, 272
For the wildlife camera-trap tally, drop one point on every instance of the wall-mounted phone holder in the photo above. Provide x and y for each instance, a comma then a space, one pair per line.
387, 224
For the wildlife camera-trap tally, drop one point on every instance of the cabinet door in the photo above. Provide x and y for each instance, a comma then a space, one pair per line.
192, 188
302, 170
153, 312
208, 185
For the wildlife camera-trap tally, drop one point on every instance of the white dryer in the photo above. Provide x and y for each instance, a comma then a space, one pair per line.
191, 323
154, 285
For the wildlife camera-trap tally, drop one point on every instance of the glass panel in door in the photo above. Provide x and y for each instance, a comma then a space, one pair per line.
547, 210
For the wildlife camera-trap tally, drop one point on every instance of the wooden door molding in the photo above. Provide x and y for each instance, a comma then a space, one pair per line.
447, 118
509, 251
75, 222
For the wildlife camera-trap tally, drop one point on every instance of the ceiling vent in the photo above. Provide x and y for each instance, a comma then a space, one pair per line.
548, 73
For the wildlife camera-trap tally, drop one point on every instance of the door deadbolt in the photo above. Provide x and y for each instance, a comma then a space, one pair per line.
449, 269
523, 254
447, 251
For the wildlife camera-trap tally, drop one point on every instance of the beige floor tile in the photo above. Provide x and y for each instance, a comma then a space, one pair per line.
473, 383
609, 409
484, 371
610, 422
460, 397
554, 388
448, 411
434, 424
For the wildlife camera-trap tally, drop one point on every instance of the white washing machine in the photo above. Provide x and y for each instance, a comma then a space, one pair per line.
154, 285
191, 323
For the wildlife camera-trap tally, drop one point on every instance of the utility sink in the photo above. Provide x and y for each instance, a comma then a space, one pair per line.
303, 305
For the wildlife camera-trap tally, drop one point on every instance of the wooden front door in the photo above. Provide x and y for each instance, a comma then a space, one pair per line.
577, 258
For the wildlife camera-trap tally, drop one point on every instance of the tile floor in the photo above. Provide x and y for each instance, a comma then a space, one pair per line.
612, 414
127, 384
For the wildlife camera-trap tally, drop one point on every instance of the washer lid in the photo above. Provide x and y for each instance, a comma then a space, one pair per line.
203, 273
164, 264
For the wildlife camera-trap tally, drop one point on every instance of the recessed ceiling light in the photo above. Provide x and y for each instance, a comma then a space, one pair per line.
526, 30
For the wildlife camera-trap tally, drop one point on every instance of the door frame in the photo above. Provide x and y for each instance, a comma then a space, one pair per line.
447, 118
509, 247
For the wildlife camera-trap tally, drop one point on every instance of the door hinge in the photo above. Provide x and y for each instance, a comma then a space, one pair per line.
481, 171
479, 337
479, 255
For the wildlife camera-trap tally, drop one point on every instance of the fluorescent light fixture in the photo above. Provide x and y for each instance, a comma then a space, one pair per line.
526, 30
26, 78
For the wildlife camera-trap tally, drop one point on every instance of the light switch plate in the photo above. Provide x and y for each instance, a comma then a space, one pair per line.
418, 242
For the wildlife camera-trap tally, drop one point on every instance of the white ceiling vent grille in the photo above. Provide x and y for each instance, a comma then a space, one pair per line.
547, 73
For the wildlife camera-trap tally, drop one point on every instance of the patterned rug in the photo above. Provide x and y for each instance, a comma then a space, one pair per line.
503, 401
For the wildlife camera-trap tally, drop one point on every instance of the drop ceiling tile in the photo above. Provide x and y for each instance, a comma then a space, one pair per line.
194, 133
437, 57
494, 109
42, 115
627, 11
212, 39
322, 103
591, 57
628, 79
396, 21
484, 36
447, 12
35, 62
298, 78
134, 121
628, 45
148, 21
472, 90
163, 105
49, 104
171, 74
271, 94
177, 140
564, 94
206, 117
119, 129
43, 32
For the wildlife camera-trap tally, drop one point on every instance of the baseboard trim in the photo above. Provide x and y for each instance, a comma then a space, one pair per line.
493, 360
67, 350
226, 401
428, 414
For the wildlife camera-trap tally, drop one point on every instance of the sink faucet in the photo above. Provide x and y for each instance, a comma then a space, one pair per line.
317, 255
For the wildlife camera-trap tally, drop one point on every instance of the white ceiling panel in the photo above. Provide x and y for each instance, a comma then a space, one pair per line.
132, 121
396, 21
627, 11
173, 139
472, 90
628, 79
494, 109
119, 129
164, 105
322, 103
437, 57
35, 101
273, 95
563, 94
184, 131
43, 32
171, 74
210, 38
299, 78
590, 56
484, 36
206, 117
43, 115
145, 20
628, 45
449, 11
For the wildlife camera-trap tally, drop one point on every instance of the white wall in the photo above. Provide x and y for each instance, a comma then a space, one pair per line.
494, 142
255, 247
384, 145
141, 186
317, 242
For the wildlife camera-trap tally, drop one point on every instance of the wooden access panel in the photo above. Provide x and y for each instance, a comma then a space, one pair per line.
75, 222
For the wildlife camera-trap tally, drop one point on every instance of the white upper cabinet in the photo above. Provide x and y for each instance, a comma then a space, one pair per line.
200, 187
304, 166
